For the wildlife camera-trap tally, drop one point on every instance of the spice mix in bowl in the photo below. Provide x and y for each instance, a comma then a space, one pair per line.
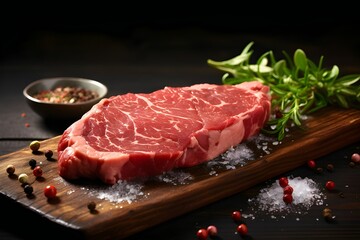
63, 98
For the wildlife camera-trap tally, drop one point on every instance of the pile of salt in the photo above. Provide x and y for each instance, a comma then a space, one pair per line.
306, 193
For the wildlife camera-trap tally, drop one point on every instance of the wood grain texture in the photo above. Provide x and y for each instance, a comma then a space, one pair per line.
324, 132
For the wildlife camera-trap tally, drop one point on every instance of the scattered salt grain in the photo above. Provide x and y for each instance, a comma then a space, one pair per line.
239, 155
306, 193
129, 191
251, 216
61, 180
175, 177
235, 156
122, 191
211, 173
70, 191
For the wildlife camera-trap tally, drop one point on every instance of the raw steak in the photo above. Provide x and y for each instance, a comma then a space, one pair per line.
140, 135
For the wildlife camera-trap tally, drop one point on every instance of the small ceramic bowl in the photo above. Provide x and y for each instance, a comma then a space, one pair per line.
63, 110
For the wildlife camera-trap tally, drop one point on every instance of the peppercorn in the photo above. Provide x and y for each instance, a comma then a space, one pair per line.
352, 164
288, 198
242, 229
288, 189
283, 182
66, 95
91, 206
10, 169
35, 145
330, 185
50, 191
212, 231
202, 234
28, 189
48, 154
37, 171
327, 214
355, 158
311, 164
236, 216
23, 178
319, 170
32, 163
326, 210
330, 167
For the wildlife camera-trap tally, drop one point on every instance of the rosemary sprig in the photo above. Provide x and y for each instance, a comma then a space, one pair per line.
298, 86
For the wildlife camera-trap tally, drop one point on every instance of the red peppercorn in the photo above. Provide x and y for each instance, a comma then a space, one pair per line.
311, 164
288, 198
202, 234
330, 185
355, 158
283, 181
37, 171
288, 190
242, 229
236, 215
212, 231
50, 191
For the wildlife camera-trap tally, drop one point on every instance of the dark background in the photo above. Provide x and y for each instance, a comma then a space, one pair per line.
166, 36
169, 45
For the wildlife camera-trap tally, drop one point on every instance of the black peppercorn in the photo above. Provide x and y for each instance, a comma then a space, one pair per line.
48, 154
91, 206
28, 189
330, 167
32, 163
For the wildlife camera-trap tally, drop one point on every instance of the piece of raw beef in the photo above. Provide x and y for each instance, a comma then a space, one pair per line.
134, 136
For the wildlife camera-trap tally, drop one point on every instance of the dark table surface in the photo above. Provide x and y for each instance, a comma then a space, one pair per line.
146, 55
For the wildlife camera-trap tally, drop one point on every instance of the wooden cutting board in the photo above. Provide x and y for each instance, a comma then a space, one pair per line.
323, 133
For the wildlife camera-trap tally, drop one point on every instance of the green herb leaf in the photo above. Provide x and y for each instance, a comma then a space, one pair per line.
300, 59
298, 86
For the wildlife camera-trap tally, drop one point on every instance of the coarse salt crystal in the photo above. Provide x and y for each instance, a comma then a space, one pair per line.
122, 191
175, 177
306, 193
